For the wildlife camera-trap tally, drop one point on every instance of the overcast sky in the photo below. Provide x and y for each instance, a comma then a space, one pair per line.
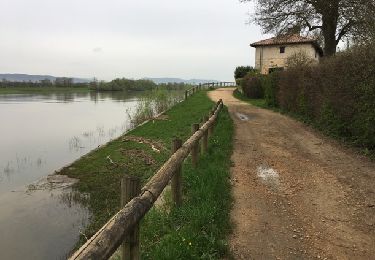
203, 39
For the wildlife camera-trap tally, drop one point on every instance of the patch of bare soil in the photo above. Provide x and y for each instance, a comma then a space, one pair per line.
297, 194
139, 154
155, 146
162, 117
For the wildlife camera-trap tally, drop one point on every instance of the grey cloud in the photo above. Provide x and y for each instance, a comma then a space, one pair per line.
97, 49
150, 38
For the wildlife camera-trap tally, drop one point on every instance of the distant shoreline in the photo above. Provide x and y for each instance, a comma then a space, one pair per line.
31, 90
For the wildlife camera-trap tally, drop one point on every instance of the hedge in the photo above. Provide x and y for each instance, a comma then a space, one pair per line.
338, 95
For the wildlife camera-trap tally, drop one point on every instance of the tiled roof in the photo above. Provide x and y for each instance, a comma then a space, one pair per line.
284, 39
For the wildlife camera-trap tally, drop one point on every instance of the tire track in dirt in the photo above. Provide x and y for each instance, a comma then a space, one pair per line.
297, 194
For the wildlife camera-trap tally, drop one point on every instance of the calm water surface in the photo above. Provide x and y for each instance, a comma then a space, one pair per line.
39, 134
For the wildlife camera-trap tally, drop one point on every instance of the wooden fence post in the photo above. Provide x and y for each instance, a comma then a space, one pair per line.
205, 137
177, 177
195, 149
130, 188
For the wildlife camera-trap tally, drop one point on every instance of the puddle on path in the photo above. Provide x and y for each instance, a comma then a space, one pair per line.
269, 176
242, 117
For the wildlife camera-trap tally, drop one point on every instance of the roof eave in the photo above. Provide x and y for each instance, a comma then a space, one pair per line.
281, 43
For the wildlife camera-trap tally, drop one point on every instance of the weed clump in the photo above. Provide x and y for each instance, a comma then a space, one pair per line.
152, 104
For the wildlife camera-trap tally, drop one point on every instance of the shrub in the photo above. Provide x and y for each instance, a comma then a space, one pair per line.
251, 86
299, 59
338, 95
270, 88
241, 71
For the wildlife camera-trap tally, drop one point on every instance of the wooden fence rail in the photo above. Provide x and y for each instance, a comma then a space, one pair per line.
123, 226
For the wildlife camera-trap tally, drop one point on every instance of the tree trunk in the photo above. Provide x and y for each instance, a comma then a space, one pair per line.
329, 27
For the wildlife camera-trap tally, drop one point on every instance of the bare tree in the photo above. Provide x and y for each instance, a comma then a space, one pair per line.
332, 19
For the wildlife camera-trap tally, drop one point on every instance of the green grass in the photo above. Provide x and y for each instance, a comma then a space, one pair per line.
198, 229
31, 90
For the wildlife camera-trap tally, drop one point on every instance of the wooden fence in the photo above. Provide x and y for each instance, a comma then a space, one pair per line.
196, 88
123, 227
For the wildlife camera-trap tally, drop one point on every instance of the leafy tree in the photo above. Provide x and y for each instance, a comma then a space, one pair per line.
332, 19
241, 71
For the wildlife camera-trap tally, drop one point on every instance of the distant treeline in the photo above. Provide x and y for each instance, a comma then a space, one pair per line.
59, 82
118, 84
124, 84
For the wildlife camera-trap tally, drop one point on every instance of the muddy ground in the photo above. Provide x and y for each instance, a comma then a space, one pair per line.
297, 194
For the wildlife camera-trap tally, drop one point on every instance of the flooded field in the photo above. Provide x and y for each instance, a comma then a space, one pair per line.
39, 134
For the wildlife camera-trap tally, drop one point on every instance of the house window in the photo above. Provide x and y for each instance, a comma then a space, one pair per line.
270, 70
282, 49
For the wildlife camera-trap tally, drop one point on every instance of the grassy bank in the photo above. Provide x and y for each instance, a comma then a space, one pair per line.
41, 90
198, 228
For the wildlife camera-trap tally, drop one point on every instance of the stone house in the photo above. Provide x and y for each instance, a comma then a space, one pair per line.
272, 54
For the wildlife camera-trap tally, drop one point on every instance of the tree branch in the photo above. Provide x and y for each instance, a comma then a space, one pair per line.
312, 27
344, 31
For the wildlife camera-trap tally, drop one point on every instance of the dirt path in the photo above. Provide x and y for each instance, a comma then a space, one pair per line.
297, 194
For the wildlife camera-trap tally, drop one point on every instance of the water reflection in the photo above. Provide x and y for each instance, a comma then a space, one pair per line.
55, 218
68, 97
50, 130
40, 134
